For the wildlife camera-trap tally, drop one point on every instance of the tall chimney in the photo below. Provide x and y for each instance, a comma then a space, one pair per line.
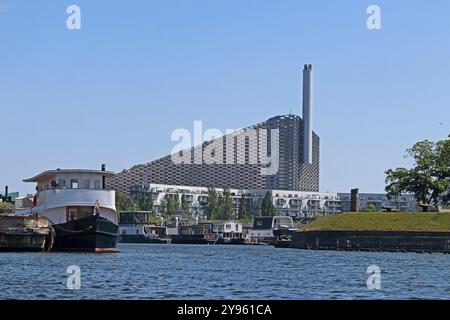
6, 193
307, 113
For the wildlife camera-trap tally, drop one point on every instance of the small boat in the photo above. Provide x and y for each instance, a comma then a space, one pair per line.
79, 207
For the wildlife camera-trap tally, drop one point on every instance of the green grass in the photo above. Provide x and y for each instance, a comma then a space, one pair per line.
382, 221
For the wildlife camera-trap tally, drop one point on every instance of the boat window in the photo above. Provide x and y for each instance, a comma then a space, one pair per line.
86, 184
61, 183
97, 184
72, 213
86, 212
73, 184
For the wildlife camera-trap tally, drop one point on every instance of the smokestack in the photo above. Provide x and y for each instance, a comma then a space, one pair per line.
307, 113
103, 177
6, 193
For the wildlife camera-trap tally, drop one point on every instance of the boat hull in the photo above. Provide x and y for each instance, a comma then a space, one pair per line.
134, 238
191, 239
90, 234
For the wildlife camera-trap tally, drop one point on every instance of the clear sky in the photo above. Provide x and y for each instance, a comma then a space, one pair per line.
114, 91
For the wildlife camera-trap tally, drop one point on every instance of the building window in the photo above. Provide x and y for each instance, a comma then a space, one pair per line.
97, 184
86, 184
73, 184
62, 183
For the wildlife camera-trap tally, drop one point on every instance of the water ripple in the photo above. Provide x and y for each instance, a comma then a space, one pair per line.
222, 272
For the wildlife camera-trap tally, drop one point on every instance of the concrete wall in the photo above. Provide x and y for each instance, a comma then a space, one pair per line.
373, 241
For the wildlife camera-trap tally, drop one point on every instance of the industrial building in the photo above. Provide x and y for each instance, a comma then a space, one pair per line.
288, 140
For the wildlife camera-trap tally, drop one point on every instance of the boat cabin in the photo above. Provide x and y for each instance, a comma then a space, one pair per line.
264, 227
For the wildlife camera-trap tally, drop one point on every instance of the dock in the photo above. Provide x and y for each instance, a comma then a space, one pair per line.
25, 233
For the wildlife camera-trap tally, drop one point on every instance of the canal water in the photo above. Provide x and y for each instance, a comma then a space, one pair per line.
151, 271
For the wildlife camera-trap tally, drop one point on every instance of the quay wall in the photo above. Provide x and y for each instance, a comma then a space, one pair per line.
413, 241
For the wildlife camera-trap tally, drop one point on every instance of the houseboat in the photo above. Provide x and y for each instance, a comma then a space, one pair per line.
269, 229
79, 207
228, 232
142, 234
194, 234
137, 227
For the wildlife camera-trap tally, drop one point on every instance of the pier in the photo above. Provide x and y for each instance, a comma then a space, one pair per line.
25, 233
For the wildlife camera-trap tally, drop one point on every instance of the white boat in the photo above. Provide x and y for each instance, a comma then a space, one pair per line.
79, 207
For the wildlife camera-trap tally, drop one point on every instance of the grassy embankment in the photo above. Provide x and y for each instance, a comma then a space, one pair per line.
382, 221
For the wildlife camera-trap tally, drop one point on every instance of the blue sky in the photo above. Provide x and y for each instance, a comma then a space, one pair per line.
114, 91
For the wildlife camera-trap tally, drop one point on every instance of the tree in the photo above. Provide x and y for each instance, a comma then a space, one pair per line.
163, 206
176, 202
171, 204
212, 205
227, 206
124, 203
258, 208
443, 167
267, 207
429, 178
370, 207
245, 207
6, 207
248, 206
220, 206
184, 203
243, 213
144, 201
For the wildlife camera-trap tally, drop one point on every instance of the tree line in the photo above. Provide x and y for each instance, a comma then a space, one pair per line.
219, 206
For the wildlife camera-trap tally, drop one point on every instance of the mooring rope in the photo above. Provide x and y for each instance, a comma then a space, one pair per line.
68, 230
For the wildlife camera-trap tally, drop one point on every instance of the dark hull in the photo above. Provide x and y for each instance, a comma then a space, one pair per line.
231, 242
282, 243
190, 239
132, 238
90, 234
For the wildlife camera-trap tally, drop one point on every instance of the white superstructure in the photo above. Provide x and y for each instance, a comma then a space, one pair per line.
71, 194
